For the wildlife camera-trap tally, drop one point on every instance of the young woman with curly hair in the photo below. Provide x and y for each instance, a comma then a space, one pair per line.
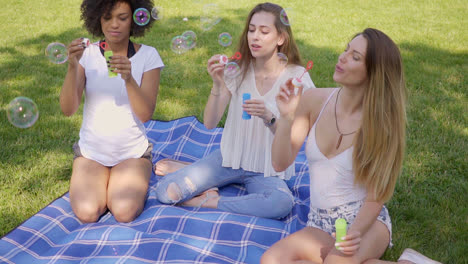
112, 163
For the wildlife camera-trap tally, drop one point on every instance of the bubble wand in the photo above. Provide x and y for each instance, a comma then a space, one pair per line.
223, 59
107, 53
297, 82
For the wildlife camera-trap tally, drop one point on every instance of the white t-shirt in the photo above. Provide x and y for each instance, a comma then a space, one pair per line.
247, 144
111, 132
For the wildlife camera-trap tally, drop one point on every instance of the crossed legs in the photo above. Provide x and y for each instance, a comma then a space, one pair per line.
311, 245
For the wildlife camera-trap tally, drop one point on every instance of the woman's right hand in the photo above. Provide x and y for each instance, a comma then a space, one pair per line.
287, 100
216, 70
75, 51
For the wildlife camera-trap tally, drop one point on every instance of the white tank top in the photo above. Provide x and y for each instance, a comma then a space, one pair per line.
331, 180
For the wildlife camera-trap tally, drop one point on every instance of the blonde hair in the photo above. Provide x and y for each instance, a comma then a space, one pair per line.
380, 142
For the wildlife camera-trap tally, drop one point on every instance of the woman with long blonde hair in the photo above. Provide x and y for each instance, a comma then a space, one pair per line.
355, 150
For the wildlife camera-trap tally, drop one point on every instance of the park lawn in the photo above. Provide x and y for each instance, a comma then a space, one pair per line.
429, 207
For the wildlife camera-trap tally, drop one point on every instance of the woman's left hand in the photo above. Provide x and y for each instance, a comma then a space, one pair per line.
256, 107
122, 65
351, 243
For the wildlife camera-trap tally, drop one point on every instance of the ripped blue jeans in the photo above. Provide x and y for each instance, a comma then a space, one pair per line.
267, 197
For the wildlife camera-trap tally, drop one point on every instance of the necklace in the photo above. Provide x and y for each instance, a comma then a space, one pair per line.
336, 122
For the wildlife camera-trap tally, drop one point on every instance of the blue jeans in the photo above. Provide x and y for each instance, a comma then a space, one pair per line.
267, 197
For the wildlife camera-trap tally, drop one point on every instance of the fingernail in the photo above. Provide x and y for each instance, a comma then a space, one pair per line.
110, 57
108, 61
337, 244
343, 238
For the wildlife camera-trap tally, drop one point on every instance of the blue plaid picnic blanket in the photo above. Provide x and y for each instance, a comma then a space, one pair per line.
162, 233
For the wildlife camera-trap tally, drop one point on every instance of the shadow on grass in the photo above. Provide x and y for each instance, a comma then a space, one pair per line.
433, 184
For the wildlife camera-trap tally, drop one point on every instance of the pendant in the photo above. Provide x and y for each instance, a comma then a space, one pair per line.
339, 141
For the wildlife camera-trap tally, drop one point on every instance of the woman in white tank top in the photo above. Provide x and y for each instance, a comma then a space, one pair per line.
355, 147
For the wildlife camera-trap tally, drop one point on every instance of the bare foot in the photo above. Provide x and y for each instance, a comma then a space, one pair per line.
208, 198
412, 256
166, 166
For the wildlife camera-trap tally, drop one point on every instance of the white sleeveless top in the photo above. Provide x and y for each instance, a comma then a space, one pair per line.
247, 144
331, 180
110, 132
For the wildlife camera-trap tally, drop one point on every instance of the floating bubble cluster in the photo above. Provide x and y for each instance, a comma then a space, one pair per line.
283, 59
181, 44
178, 45
156, 13
210, 16
231, 69
22, 112
56, 53
141, 16
285, 19
225, 39
190, 39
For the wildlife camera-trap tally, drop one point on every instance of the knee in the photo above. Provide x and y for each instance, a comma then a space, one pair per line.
87, 212
269, 257
341, 259
282, 204
125, 211
168, 193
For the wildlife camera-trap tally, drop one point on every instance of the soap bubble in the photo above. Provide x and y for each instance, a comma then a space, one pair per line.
283, 59
210, 16
231, 69
178, 45
141, 16
56, 53
156, 13
287, 16
22, 112
225, 39
190, 39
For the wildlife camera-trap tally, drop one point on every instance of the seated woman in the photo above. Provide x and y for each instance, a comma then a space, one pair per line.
112, 162
355, 150
245, 155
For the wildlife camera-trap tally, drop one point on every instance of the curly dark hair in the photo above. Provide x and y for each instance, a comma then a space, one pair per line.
93, 10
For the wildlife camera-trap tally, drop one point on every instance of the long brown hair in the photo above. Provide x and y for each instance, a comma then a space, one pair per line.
380, 143
289, 47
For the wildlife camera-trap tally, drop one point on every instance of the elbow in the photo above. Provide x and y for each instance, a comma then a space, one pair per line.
278, 167
67, 111
145, 118
209, 126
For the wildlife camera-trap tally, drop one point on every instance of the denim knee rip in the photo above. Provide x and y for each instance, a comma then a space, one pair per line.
179, 191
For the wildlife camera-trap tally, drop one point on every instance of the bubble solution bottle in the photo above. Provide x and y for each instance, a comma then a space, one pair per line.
340, 226
245, 115
108, 54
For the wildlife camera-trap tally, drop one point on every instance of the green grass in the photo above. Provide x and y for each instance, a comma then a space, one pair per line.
429, 208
